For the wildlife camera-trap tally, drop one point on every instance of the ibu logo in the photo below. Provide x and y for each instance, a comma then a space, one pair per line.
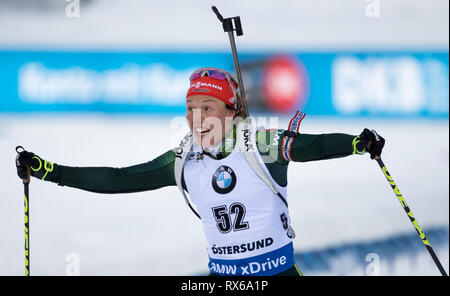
224, 180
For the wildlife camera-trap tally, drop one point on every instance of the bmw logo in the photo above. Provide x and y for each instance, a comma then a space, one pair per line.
224, 180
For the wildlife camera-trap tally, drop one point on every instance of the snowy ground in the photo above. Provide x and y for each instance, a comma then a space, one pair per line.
153, 233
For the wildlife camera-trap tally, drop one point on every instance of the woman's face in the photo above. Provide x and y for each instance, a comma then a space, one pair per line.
209, 119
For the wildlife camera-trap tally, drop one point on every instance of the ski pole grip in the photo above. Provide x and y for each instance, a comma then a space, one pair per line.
18, 148
27, 180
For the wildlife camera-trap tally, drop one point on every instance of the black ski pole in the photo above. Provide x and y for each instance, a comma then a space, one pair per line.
26, 184
229, 26
410, 215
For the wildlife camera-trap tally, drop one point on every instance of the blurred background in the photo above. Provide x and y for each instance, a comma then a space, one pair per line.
103, 83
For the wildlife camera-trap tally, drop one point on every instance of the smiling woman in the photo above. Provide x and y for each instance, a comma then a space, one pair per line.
241, 200
208, 119
212, 102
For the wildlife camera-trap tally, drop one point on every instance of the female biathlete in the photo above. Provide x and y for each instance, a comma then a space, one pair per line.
233, 176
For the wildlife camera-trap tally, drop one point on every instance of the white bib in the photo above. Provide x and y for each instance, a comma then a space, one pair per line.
241, 215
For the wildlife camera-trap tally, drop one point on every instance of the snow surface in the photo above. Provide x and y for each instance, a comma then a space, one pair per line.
154, 233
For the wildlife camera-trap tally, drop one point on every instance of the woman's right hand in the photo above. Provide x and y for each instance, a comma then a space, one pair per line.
38, 167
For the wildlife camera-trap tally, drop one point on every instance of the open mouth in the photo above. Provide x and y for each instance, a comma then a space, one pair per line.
201, 131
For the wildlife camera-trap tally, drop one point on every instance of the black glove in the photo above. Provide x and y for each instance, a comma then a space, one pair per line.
368, 141
39, 168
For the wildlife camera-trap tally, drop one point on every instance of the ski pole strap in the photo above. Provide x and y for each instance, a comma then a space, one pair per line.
180, 157
48, 167
290, 135
355, 142
248, 147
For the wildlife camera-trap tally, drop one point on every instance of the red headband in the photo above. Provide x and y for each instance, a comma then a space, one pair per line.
208, 86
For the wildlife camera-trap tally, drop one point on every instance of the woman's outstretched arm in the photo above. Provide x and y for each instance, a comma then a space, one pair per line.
146, 176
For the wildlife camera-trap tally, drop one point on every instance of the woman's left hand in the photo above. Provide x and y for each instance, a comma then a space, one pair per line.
373, 142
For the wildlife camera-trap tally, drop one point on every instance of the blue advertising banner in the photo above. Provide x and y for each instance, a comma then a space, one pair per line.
388, 84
